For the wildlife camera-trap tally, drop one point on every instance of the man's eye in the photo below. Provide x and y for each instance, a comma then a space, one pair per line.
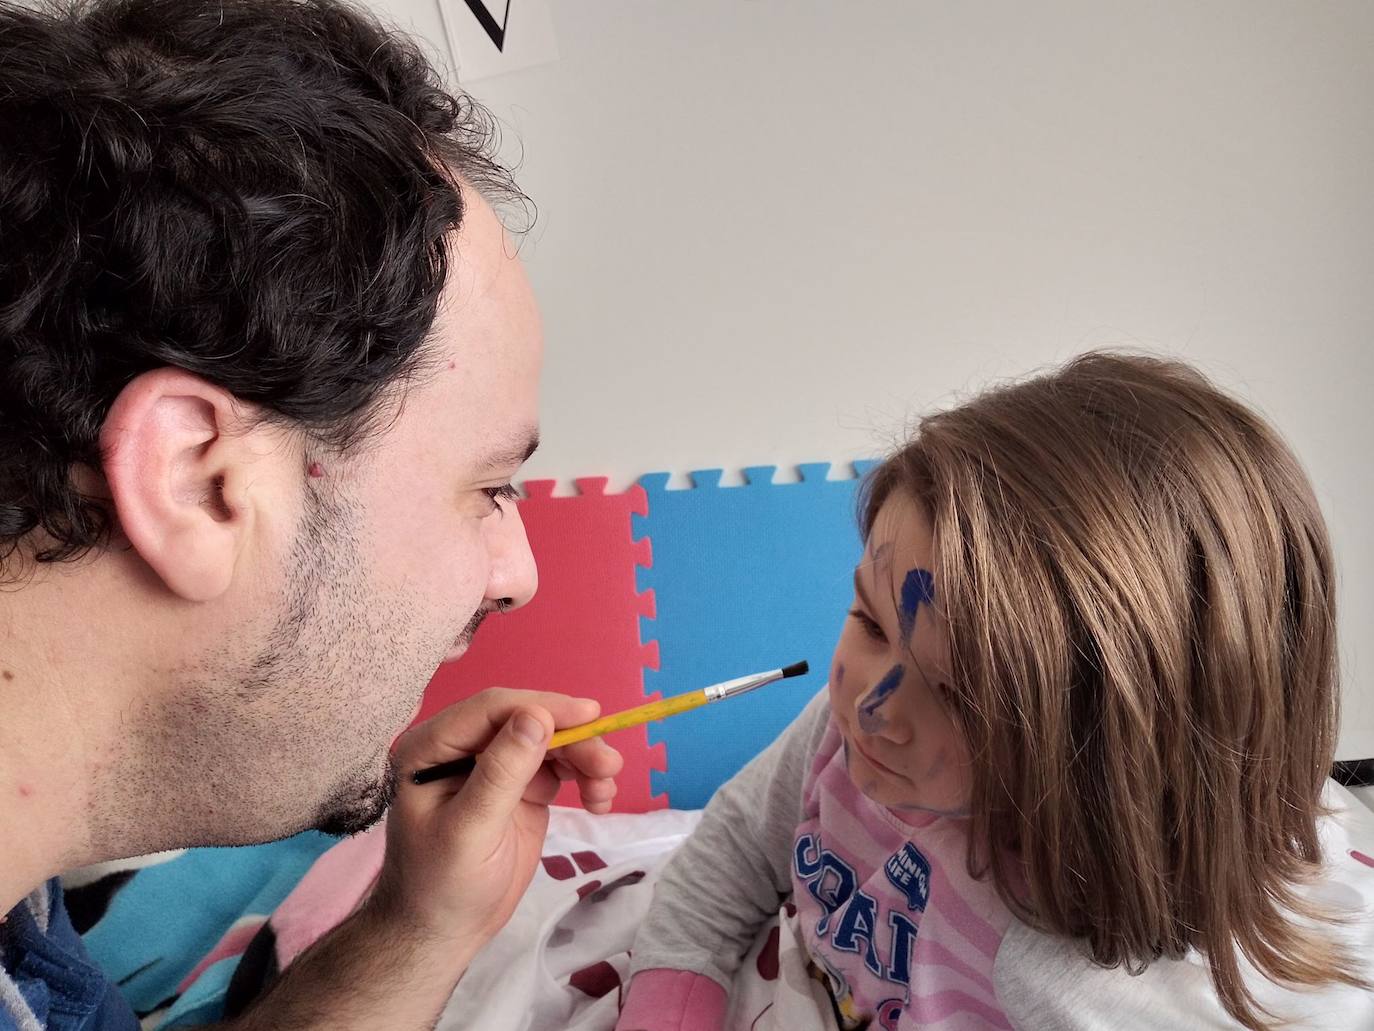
867, 624
506, 492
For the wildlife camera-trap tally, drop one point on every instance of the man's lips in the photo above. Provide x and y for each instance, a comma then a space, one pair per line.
465, 636
468, 632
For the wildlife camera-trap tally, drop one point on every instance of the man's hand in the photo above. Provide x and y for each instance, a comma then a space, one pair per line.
461, 852
459, 855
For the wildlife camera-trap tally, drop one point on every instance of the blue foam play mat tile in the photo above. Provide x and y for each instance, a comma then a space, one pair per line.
745, 579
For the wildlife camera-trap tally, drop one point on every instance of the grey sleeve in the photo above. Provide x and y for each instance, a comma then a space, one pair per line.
734, 871
1047, 983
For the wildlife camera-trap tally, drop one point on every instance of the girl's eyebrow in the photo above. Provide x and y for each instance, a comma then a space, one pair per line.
861, 592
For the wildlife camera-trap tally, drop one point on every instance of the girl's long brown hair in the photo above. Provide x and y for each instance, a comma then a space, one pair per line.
1138, 587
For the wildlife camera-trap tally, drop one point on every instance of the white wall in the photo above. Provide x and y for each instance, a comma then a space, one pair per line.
781, 227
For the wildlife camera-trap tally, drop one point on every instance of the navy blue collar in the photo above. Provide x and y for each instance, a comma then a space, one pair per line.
51, 970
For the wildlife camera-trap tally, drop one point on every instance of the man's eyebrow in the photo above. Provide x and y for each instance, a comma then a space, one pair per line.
513, 456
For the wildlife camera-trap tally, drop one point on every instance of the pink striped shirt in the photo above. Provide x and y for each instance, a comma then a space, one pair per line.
891, 916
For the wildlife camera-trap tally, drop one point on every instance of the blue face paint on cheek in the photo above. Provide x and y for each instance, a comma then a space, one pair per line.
869, 720
917, 589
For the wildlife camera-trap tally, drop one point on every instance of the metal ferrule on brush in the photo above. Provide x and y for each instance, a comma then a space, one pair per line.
742, 685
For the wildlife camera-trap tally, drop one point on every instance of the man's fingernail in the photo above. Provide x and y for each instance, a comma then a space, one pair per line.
529, 728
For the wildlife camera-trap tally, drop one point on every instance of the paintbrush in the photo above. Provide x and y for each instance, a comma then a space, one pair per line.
632, 717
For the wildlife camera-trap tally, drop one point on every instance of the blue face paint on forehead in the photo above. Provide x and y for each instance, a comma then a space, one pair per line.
869, 720
917, 589
881, 553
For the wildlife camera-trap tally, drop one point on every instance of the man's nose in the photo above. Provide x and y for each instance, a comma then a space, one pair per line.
514, 577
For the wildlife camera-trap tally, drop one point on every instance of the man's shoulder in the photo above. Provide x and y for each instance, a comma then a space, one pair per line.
16, 1014
44, 968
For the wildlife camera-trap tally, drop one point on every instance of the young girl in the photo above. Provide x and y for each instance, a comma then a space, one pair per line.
1069, 770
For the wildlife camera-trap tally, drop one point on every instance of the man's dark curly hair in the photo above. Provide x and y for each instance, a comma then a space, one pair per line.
256, 191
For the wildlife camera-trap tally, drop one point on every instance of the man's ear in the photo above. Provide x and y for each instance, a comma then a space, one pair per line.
177, 465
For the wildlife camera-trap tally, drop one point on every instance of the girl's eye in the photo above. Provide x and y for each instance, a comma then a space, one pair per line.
506, 492
867, 624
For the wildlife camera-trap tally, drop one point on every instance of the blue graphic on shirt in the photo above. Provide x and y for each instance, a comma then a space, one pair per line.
853, 921
903, 939
857, 929
829, 879
909, 872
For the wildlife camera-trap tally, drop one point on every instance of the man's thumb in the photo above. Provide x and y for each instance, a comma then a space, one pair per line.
506, 767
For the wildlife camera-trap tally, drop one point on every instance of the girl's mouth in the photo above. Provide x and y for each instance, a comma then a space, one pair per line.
876, 763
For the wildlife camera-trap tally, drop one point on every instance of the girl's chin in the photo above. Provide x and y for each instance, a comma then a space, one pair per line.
873, 780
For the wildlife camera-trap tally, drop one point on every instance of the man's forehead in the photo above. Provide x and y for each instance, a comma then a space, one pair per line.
482, 253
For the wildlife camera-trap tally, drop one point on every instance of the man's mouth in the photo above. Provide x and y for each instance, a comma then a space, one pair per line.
463, 641
474, 624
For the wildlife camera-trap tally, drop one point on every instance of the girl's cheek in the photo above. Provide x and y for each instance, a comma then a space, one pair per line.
837, 680
839, 702
846, 685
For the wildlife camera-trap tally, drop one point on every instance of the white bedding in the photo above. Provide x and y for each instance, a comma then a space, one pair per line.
562, 962
575, 928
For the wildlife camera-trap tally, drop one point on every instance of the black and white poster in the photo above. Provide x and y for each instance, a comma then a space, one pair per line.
489, 37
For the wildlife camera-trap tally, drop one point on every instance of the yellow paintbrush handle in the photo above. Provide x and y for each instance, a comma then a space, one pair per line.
630, 718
